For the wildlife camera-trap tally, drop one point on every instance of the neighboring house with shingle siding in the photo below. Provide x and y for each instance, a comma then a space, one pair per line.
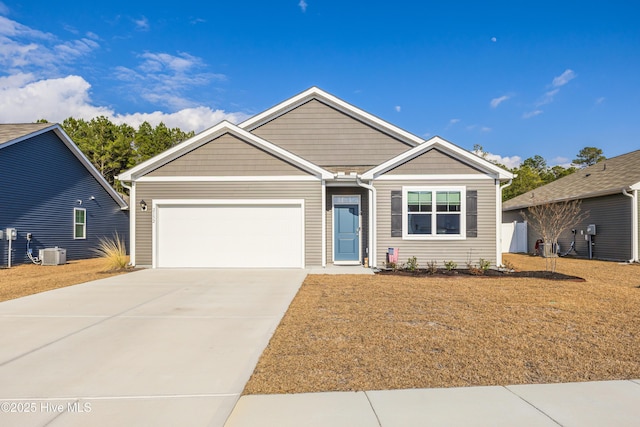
52, 191
609, 191
313, 181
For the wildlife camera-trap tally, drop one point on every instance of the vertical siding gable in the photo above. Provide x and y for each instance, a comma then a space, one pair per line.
43, 180
227, 155
435, 162
328, 137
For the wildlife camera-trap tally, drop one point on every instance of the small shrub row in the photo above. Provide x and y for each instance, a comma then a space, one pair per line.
432, 266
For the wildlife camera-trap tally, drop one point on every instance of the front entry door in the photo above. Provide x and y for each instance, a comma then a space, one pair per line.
346, 233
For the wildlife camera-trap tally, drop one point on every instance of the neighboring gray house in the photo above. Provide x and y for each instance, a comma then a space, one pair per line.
310, 182
609, 191
52, 192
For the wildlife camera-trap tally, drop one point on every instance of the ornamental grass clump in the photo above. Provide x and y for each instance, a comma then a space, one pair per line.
114, 252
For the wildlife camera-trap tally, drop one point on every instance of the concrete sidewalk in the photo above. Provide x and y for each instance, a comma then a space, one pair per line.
154, 347
605, 403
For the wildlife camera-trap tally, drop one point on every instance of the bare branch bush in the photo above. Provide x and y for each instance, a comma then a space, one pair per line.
549, 220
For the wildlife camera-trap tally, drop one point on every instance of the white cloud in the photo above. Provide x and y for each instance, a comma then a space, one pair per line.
35, 83
510, 162
547, 98
23, 49
600, 100
563, 78
485, 129
4, 9
398, 108
452, 122
142, 24
198, 118
497, 101
303, 5
24, 100
560, 161
493, 39
164, 79
531, 114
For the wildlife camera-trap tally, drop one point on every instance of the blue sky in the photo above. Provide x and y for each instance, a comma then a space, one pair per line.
518, 78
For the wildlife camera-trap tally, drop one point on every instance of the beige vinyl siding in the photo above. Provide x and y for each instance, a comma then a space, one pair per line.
227, 155
311, 192
433, 162
328, 137
459, 251
364, 207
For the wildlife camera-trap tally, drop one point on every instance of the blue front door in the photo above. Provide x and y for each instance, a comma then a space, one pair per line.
346, 233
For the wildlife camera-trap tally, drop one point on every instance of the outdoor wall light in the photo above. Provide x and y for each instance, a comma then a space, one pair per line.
143, 205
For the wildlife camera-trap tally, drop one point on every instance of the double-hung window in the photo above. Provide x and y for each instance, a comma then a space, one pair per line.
433, 212
79, 223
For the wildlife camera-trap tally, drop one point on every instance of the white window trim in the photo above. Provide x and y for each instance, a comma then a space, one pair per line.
463, 214
84, 225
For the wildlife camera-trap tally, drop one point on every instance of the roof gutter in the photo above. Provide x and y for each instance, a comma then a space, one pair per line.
634, 224
372, 221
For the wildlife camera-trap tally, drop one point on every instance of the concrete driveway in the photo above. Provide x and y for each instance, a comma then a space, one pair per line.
154, 347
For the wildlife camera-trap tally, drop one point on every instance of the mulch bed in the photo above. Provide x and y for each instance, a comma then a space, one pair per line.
463, 272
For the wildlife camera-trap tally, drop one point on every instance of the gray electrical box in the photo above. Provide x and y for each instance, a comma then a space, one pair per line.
591, 229
12, 234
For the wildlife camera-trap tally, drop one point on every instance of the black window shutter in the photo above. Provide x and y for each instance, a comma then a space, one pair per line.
396, 214
472, 213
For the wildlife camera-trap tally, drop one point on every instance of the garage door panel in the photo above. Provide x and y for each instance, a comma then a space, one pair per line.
229, 236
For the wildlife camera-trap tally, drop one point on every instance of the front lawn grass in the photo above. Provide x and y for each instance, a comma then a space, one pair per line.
391, 332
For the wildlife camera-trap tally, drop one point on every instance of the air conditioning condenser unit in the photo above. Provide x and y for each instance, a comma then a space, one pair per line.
53, 256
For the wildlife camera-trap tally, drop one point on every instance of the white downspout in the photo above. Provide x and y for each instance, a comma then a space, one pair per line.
372, 220
634, 224
132, 222
499, 222
323, 229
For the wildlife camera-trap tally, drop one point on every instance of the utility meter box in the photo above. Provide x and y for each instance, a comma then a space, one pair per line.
591, 229
11, 234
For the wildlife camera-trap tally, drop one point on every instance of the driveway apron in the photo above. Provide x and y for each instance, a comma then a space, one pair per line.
154, 347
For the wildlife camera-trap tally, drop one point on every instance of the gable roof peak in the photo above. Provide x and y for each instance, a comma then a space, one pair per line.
333, 101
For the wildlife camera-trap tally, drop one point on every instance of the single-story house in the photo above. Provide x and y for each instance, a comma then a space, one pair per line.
608, 190
313, 181
53, 196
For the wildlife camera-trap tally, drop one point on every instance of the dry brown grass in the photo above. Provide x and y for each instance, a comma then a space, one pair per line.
389, 332
28, 279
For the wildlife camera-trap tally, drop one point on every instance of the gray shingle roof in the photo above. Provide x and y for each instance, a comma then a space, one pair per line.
9, 132
609, 176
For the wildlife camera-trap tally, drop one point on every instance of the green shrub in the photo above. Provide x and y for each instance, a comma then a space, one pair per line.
412, 264
484, 264
450, 265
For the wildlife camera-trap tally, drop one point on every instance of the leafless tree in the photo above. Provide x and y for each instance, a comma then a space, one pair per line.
550, 220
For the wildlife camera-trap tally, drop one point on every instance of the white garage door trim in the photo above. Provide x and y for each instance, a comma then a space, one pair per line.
158, 204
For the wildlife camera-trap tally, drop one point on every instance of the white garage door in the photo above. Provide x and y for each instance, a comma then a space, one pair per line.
241, 234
